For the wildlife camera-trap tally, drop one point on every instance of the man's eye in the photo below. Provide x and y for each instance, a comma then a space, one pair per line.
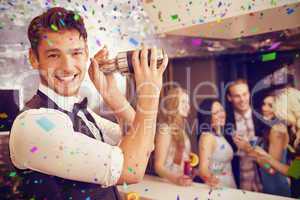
53, 56
77, 53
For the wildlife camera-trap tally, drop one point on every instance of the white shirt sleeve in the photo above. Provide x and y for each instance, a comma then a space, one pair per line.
44, 140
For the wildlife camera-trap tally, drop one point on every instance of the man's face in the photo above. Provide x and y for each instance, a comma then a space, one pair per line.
61, 61
239, 96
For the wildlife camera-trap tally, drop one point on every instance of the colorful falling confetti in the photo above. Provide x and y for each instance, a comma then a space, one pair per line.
76, 17
133, 41
289, 11
54, 27
33, 149
174, 17
197, 42
12, 174
45, 124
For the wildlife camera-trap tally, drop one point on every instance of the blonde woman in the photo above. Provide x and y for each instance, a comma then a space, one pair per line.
172, 144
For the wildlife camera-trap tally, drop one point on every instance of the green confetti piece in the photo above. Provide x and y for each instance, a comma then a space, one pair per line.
267, 165
174, 17
254, 30
273, 2
93, 12
130, 169
269, 57
12, 174
76, 17
53, 27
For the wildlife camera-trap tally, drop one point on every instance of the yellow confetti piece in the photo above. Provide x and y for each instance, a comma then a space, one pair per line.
53, 27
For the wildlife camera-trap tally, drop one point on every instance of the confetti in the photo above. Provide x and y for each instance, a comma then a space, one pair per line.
274, 45
267, 165
45, 124
3, 116
2, 126
12, 174
53, 27
33, 149
88, 198
84, 8
130, 169
177, 198
197, 42
174, 17
289, 11
98, 42
269, 57
76, 17
133, 41
254, 30
273, 2
62, 22
223, 146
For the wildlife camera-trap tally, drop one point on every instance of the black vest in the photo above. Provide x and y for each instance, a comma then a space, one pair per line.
43, 186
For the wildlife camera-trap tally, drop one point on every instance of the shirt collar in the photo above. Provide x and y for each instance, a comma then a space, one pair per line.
239, 116
64, 102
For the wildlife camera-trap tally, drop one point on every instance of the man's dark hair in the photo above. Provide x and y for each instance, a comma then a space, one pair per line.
54, 19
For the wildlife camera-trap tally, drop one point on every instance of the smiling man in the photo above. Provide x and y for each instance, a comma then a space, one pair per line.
246, 126
60, 148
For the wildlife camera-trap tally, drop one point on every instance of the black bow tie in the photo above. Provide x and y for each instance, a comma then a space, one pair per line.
80, 106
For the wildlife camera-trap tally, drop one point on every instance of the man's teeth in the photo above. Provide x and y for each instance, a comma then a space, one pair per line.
66, 78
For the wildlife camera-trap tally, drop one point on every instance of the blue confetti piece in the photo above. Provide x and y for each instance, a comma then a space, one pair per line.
290, 11
134, 41
84, 8
45, 124
178, 198
88, 198
62, 22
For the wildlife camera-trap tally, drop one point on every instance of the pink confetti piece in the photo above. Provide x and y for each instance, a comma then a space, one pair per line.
33, 149
197, 42
274, 45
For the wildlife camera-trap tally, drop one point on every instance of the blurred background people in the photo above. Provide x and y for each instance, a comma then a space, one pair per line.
246, 125
215, 153
172, 144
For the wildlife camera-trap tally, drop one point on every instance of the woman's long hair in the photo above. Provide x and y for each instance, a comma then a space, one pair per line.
204, 116
287, 105
168, 114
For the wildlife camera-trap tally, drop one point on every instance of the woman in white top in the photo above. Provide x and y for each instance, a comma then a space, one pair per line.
172, 144
215, 152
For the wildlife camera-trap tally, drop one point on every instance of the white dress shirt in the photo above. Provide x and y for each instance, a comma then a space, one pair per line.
43, 140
